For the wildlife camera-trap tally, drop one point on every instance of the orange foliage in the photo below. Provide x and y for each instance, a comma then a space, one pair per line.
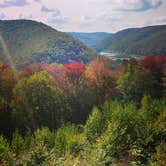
99, 70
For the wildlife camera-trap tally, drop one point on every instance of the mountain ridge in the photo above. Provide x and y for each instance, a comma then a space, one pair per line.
30, 42
149, 40
90, 38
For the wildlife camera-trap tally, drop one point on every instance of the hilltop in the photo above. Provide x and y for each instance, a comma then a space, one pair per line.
30, 42
143, 41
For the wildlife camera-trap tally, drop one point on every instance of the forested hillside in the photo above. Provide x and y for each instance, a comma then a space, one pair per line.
139, 41
24, 42
90, 39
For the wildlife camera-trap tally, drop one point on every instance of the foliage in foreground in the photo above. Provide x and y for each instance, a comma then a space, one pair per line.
55, 114
115, 134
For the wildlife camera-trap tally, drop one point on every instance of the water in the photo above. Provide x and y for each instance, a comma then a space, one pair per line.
112, 55
108, 54
119, 56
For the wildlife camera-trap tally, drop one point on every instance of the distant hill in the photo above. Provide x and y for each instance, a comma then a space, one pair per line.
34, 42
90, 39
142, 41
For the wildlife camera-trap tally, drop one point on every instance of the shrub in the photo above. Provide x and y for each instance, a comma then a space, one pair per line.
68, 139
17, 143
4, 147
124, 134
160, 155
94, 125
44, 136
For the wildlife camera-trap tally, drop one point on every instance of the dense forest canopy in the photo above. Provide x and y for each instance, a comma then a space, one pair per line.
103, 113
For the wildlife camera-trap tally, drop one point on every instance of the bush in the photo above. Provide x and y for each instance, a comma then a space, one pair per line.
126, 133
4, 148
44, 136
94, 125
68, 139
38, 155
17, 143
152, 107
160, 155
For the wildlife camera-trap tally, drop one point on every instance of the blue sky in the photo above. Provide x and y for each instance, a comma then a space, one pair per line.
87, 15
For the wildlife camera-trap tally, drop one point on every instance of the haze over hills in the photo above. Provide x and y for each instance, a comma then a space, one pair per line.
29, 42
90, 39
140, 41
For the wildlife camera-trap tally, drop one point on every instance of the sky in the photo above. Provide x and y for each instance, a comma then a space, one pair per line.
87, 15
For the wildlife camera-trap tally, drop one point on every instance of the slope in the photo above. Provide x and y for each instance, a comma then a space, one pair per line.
143, 41
90, 39
34, 42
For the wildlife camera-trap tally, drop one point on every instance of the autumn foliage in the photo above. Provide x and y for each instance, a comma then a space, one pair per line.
155, 64
116, 111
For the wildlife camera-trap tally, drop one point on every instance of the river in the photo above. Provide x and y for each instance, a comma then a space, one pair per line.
113, 56
119, 56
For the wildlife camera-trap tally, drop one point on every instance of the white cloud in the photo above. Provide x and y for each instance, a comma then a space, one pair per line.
89, 15
2, 16
154, 2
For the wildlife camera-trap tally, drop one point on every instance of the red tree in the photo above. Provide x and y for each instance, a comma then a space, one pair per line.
155, 64
74, 74
74, 69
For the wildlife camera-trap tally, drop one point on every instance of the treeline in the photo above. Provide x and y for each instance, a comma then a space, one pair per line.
46, 116
134, 41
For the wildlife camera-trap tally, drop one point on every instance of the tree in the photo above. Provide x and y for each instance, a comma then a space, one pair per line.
17, 144
70, 78
136, 81
156, 65
38, 103
94, 125
74, 70
78, 94
129, 136
67, 139
29, 70
4, 148
164, 80
6, 126
101, 78
8, 79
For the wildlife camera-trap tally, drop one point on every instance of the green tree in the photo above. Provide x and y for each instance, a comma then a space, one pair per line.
152, 108
94, 125
37, 102
44, 136
4, 148
17, 143
68, 140
136, 81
